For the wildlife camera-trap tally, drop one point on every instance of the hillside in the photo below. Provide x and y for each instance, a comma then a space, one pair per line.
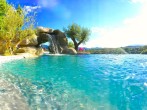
121, 50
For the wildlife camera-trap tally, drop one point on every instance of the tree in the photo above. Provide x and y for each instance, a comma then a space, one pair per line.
77, 34
14, 28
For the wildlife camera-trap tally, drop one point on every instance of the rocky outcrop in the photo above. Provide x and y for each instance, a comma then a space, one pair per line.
60, 37
31, 50
29, 42
44, 30
69, 51
29, 46
56, 38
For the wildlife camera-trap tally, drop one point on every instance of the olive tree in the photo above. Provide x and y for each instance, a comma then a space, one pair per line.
77, 34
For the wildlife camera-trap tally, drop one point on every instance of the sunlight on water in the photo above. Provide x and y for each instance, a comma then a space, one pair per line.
81, 82
47, 53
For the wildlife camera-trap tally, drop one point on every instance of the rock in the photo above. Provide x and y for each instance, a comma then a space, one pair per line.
60, 36
24, 42
42, 38
70, 50
20, 50
44, 30
31, 50
29, 42
33, 41
39, 51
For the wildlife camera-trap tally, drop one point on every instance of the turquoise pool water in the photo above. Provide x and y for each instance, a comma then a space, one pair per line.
81, 82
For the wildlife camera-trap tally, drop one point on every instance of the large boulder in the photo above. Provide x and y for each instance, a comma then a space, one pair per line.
61, 38
44, 30
30, 41
70, 50
24, 42
33, 41
31, 50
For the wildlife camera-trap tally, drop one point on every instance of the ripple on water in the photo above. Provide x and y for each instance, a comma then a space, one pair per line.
103, 82
11, 98
50, 95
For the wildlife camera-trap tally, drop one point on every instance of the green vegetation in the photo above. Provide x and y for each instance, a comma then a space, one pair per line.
134, 50
15, 26
123, 50
144, 51
106, 51
70, 44
3, 9
77, 34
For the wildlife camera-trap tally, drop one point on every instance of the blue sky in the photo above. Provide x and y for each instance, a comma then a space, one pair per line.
113, 23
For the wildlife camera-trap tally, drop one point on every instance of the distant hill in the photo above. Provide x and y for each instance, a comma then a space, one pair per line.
132, 49
134, 46
139, 49
85, 48
107, 51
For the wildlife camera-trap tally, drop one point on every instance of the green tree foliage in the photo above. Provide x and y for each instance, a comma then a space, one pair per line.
14, 28
3, 5
3, 9
70, 44
77, 34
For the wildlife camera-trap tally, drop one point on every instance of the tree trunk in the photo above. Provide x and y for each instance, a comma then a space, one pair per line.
76, 47
15, 46
8, 50
75, 43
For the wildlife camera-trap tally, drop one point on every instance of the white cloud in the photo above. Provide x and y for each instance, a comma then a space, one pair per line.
138, 1
48, 3
29, 9
133, 31
56, 7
